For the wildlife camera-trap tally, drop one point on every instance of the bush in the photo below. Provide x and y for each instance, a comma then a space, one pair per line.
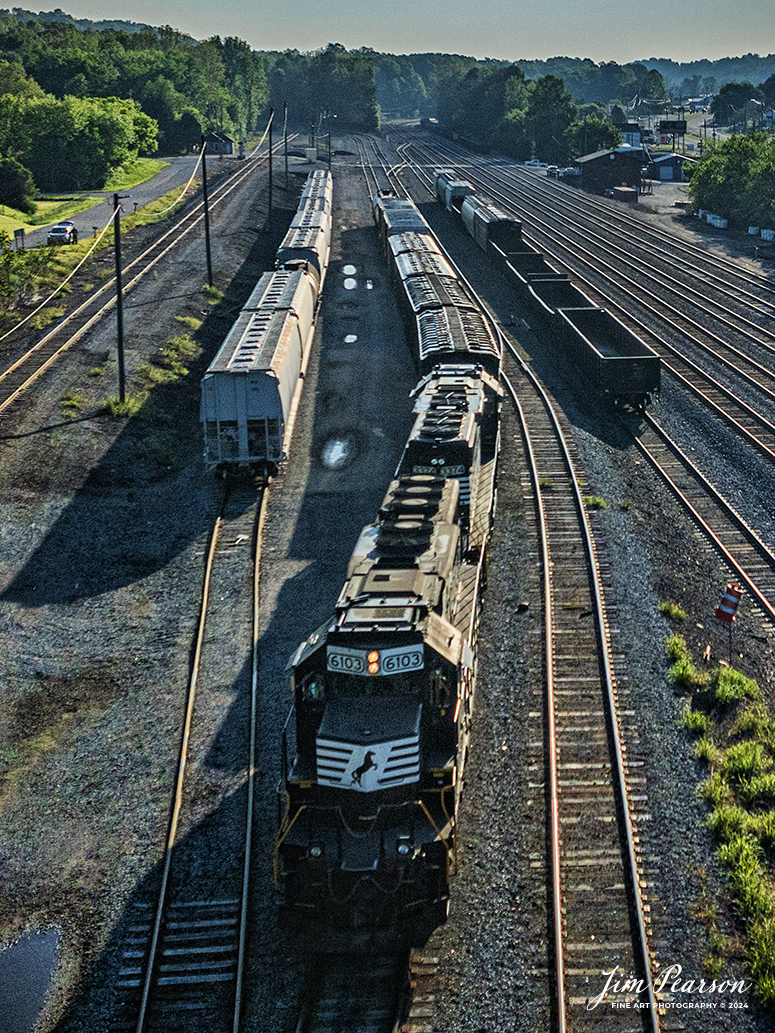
595, 502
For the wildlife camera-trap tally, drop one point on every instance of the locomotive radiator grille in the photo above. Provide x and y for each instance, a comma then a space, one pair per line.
367, 768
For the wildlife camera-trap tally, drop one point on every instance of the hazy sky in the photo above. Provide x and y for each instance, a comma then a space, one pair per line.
603, 30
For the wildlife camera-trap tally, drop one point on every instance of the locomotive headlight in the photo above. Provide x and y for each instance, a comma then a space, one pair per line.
373, 661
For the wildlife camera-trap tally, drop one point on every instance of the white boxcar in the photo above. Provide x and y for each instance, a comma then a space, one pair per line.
251, 389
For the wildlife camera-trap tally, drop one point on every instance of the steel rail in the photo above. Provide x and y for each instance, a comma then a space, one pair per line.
251, 781
181, 773
620, 777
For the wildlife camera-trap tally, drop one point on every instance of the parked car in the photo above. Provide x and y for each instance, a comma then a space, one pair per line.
63, 233
552, 170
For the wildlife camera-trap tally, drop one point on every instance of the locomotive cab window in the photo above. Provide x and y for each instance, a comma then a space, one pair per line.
313, 688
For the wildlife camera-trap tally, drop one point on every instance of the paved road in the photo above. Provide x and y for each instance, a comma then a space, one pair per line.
176, 174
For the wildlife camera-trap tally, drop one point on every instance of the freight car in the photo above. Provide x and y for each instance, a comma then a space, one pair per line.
252, 387
383, 691
442, 316
621, 367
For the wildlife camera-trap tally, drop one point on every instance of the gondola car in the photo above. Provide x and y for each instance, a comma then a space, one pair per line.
620, 366
377, 739
251, 389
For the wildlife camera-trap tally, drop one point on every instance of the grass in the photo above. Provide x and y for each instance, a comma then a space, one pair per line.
683, 670
672, 611
740, 792
138, 171
595, 502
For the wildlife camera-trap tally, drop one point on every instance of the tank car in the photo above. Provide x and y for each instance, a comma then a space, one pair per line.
383, 691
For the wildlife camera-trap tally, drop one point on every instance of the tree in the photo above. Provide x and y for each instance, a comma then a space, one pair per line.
17, 187
736, 179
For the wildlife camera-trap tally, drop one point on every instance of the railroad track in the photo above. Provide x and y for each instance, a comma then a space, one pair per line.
740, 546
183, 956
735, 381
348, 994
25, 370
579, 764
581, 777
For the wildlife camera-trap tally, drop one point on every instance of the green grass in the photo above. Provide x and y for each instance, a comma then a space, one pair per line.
131, 405
138, 171
672, 611
697, 722
595, 502
192, 322
740, 791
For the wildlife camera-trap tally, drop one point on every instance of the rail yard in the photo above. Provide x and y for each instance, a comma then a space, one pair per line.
578, 849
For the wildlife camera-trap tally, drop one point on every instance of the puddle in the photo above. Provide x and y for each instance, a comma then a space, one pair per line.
26, 968
351, 339
350, 284
349, 270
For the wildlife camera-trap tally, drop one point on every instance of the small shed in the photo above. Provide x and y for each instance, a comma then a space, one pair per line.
217, 142
667, 167
632, 134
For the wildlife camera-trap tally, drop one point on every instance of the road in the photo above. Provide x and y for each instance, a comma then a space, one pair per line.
173, 175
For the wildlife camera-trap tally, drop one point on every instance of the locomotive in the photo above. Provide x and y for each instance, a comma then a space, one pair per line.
376, 742
251, 389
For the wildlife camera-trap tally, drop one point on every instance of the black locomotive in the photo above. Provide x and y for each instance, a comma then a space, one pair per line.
383, 691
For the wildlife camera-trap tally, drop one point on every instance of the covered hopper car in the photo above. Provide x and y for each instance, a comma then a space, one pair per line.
251, 389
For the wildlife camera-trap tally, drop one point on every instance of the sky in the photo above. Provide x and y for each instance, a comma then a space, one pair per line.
603, 30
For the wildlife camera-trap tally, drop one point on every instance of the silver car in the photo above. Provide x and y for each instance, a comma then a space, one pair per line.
62, 233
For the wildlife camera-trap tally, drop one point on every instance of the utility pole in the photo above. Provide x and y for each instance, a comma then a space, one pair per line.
207, 214
119, 295
271, 121
285, 140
